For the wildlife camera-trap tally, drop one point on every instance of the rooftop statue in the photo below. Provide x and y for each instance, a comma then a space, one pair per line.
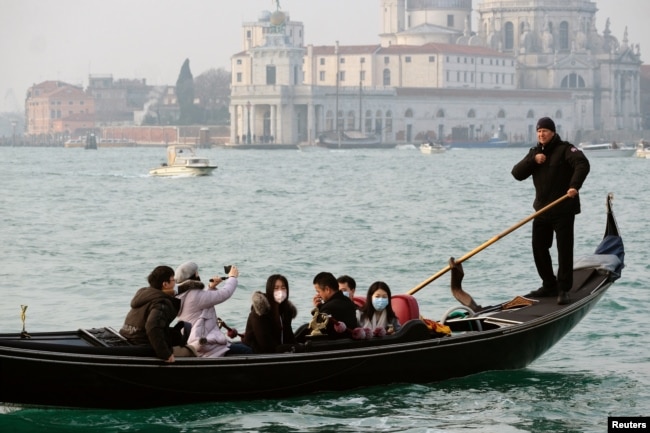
278, 19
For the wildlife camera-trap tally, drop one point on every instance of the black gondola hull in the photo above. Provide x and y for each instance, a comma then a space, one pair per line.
108, 381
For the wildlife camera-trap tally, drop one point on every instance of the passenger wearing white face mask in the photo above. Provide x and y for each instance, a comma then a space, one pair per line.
269, 323
347, 285
377, 313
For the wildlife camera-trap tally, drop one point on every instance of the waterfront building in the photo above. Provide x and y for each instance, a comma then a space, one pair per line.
431, 76
645, 96
55, 109
117, 100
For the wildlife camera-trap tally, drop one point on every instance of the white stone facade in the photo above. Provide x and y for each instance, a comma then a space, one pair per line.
431, 75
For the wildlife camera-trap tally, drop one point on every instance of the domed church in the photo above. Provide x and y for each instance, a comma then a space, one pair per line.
432, 76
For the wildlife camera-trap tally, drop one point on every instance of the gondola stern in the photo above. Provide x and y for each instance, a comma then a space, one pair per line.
612, 243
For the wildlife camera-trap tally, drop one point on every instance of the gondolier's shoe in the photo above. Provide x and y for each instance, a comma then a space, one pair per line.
543, 292
563, 298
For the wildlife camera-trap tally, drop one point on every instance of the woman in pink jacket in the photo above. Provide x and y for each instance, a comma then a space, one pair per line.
198, 308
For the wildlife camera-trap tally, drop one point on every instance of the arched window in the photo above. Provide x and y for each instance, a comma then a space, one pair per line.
530, 114
329, 121
440, 113
389, 122
509, 35
378, 122
350, 121
471, 114
564, 35
558, 114
386, 77
502, 114
572, 81
408, 113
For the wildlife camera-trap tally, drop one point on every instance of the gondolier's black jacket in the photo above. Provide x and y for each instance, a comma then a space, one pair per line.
566, 167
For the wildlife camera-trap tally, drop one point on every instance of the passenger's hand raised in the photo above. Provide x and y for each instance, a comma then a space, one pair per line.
214, 281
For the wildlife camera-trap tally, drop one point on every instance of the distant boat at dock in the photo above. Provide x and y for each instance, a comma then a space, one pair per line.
606, 150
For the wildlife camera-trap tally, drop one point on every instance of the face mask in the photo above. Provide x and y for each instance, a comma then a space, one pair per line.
175, 289
379, 303
280, 296
346, 294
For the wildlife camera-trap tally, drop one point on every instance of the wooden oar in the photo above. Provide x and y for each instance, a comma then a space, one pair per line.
487, 244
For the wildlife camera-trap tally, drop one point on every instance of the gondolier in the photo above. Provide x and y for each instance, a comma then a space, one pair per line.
557, 168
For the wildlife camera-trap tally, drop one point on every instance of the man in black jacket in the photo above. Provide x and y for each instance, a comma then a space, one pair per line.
557, 168
334, 303
153, 308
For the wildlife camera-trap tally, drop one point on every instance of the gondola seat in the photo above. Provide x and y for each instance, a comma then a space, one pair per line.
405, 307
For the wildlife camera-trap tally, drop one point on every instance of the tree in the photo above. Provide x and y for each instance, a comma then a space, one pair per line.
212, 89
185, 94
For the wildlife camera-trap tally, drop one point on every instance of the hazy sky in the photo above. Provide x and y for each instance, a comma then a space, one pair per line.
69, 39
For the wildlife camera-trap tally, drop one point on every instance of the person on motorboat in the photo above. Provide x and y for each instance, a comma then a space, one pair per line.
377, 313
268, 327
198, 308
153, 308
334, 303
558, 168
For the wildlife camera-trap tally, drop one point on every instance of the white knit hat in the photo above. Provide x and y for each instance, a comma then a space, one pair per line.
186, 271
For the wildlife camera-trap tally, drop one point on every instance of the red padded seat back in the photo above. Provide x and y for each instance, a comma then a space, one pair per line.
405, 306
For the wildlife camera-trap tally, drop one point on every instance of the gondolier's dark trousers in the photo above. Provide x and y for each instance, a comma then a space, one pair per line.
543, 229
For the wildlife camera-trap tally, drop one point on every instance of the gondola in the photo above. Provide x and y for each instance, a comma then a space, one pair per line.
97, 368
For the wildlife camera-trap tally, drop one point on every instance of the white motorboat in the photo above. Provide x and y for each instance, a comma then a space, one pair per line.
429, 148
606, 150
182, 161
643, 150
